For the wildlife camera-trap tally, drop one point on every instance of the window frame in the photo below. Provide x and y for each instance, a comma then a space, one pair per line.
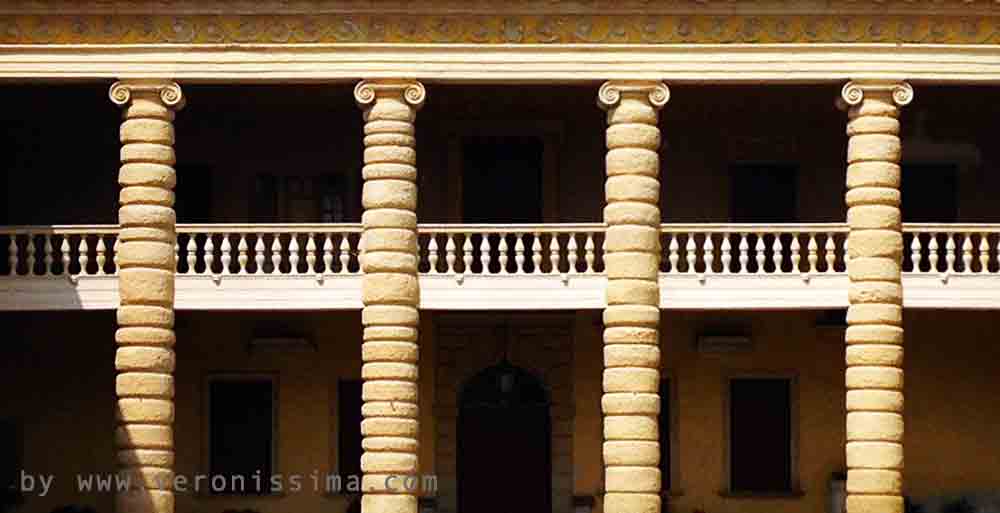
230, 376
674, 422
795, 483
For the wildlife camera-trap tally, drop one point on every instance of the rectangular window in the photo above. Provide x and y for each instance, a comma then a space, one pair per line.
929, 193
764, 193
666, 434
349, 428
760, 435
10, 459
241, 435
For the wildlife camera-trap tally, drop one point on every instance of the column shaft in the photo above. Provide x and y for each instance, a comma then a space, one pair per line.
874, 337
390, 294
145, 356
631, 401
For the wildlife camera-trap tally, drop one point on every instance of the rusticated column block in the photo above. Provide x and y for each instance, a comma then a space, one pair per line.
390, 294
631, 401
874, 337
145, 357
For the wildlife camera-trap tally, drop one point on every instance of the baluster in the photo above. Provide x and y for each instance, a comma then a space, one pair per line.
984, 253
518, 253
209, 253
227, 256
259, 250
778, 253
708, 252
536, 253
467, 253
345, 253
554, 250
244, 257
674, 255
101, 254
328, 253
484, 253
916, 252
966, 253
949, 254
47, 260
177, 255
813, 254
311, 253
432, 253
503, 253
293, 253
690, 253
30, 250
276, 253
830, 252
588, 254
727, 253
63, 254
571, 253
796, 250
932, 252
192, 254
744, 253
117, 245
449, 253
83, 252
12, 253
761, 257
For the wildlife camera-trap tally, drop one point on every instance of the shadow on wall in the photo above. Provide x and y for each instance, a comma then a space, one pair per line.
972, 502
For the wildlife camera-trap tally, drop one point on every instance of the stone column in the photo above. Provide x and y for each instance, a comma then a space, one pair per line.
145, 356
631, 401
874, 335
390, 294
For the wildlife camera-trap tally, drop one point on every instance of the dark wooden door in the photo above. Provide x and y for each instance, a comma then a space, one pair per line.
503, 460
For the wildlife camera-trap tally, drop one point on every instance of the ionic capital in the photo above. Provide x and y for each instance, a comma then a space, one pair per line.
410, 91
168, 90
854, 92
611, 92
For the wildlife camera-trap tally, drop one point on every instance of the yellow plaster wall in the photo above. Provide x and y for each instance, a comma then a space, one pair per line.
60, 386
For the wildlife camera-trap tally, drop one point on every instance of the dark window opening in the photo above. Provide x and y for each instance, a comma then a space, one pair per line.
349, 428
193, 194
929, 193
665, 434
764, 193
241, 434
10, 462
299, 199
760, 431
502, 179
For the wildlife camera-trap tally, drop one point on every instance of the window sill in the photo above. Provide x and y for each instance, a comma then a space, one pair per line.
790, 494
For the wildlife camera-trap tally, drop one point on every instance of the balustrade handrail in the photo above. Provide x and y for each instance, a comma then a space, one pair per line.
510, 227
951, 227
268, 227
737, 228
60, 229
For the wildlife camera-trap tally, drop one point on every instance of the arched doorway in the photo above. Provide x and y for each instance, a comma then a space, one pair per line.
504, 453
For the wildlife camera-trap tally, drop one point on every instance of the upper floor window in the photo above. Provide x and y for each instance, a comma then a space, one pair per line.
299, 199
241, 433
764, 193
502, 179
929, 193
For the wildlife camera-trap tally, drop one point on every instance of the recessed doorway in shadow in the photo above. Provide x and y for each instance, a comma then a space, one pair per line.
504, 434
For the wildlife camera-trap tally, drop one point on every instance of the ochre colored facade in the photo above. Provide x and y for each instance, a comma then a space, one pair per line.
81, 405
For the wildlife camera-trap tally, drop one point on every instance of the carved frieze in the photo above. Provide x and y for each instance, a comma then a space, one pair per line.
555, 27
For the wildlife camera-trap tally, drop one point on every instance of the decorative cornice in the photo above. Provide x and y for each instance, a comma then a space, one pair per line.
169, 91
519, 27
410, 91
853, 92
611, 92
